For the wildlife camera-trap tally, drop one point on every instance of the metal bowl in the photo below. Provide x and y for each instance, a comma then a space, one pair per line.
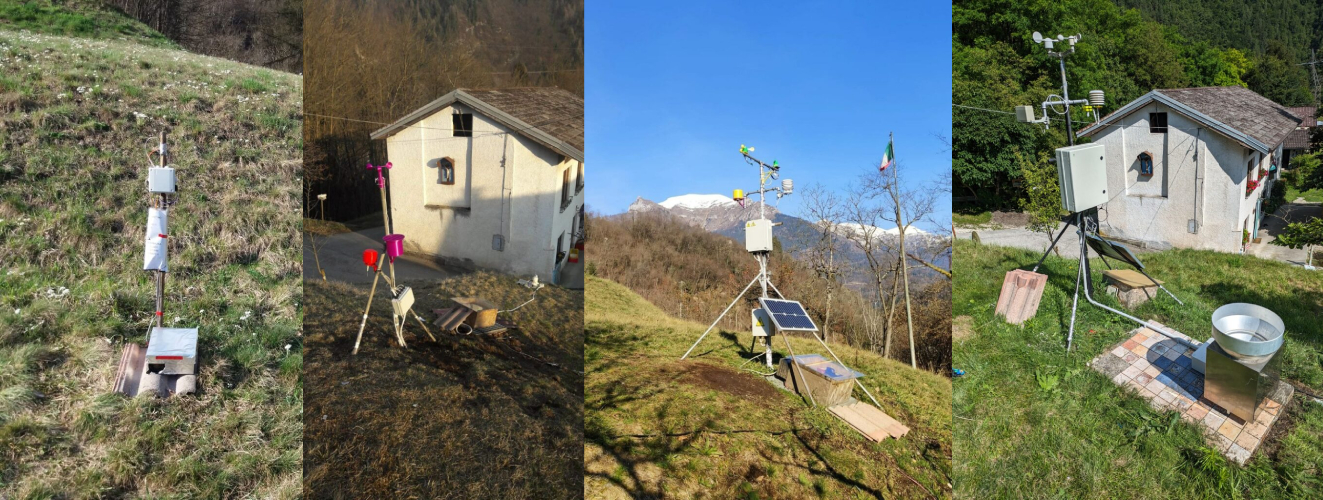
1247, 331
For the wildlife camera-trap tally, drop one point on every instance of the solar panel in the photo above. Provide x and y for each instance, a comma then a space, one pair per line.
788, 315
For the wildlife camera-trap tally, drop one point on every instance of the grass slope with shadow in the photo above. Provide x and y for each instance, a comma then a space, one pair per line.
656, 426
1033, 421
77, 116
464, 417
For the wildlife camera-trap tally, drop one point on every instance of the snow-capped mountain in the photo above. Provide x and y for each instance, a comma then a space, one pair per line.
697, 201
712, 212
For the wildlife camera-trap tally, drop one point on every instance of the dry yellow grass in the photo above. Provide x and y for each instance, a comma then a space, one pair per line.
465, 417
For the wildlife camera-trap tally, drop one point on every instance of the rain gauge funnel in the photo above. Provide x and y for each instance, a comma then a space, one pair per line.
394, 245
1246, 338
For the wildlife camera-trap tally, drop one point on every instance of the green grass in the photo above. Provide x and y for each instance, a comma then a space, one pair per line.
654, 426
977, 219
78, 18
1033, 421
76, 118
468, 416
1312, 195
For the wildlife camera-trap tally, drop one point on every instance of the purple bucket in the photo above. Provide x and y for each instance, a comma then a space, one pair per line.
394, 245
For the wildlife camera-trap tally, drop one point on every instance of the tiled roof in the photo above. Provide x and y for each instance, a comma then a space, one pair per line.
548, 115
1307, 113
1241, 109
553, 110
1234, 111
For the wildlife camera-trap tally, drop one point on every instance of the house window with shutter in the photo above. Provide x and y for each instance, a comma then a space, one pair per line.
462, 124
445, 171
1157, 123
565, 190
579, 180
1145, 163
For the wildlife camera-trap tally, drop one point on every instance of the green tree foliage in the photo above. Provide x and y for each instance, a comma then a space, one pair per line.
1305, 173
1130, 47
1042, 200
1301, 234
1279, 77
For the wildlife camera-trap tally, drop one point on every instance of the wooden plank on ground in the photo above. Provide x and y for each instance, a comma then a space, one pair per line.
869, 421
1130, 278
893, 427
870, 430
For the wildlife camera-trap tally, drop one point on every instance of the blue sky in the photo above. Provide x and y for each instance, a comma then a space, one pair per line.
674, 88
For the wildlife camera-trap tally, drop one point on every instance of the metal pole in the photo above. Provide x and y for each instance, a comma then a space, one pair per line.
723, 314
1065, 91
904, 262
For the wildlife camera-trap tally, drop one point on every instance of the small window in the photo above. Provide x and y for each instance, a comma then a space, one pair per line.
579, 182
462, 124
445, 171
1145, 164
565, 190
1157, 123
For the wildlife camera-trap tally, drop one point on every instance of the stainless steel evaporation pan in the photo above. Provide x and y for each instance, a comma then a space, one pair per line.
1248, 332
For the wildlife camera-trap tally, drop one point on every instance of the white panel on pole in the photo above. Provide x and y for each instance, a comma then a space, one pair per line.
154, 257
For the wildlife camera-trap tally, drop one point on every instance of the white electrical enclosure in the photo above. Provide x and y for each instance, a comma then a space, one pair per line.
1082, 173
403, 302
762, 323
176, 348
758, 235
154, 257
161, 180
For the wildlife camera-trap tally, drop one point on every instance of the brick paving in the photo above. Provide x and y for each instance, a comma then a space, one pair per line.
1158, 369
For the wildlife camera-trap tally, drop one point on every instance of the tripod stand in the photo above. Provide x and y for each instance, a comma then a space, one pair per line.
400, 317
1086, 223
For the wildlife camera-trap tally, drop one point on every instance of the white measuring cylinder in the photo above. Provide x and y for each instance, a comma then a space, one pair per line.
154, 241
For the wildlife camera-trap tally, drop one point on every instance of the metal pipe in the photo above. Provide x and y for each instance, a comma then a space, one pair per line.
1050, 247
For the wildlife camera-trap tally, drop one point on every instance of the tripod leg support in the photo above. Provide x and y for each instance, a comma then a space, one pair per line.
723, 314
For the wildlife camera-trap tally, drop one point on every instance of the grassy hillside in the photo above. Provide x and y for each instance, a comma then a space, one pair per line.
77, 18
1084, 437
469, 417
77, 116
657, 426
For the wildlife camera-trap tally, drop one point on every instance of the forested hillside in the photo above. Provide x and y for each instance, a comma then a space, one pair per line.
693, 274
368, 64
1125, 52
260, 32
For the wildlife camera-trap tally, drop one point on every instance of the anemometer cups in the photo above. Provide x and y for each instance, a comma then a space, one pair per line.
394, 245
381, 179
1248, 332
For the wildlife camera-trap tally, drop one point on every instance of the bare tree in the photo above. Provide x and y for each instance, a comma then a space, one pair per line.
824, 207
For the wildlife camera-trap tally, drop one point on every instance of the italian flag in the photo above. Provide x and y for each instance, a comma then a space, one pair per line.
887, 158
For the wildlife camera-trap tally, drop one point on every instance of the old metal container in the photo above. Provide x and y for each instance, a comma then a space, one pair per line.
1239, 372
1248, 332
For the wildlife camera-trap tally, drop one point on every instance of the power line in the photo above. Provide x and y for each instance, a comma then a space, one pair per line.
983, 109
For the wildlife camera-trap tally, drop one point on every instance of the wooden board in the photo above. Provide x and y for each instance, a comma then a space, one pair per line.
1129, 278
869, 421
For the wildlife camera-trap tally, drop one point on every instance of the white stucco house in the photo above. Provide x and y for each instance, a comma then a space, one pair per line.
490, 178
1189, 168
